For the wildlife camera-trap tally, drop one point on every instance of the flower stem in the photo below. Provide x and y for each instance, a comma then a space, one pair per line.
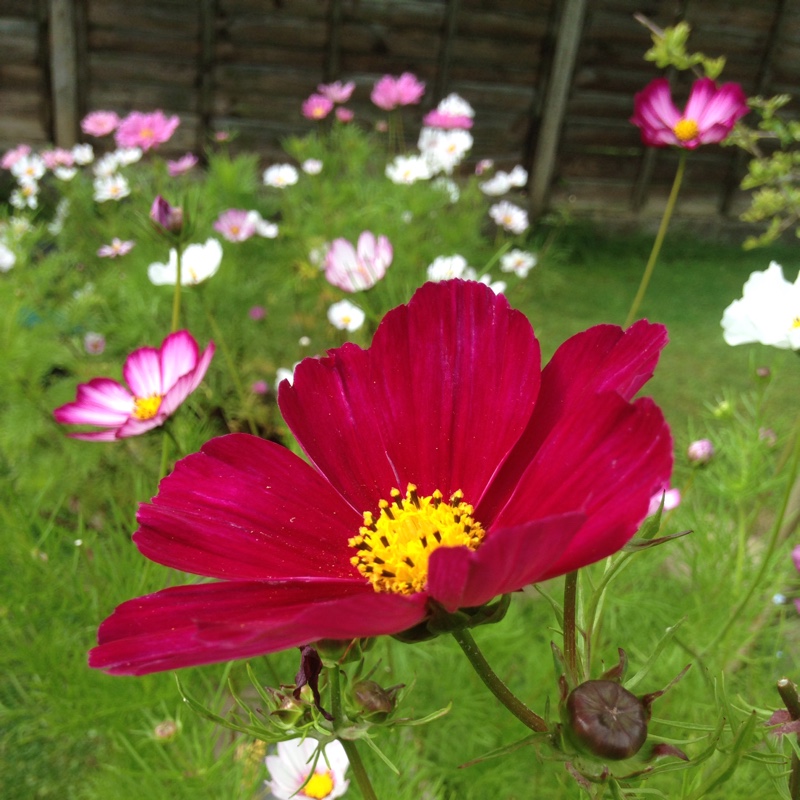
350, 749
662, 231
774, 537
788, 693
176, 297
570, 628
235, 379
495, 685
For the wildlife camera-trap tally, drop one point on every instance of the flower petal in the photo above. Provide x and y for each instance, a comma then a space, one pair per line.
179, 353
508, 560
244, 508
142, 371
101, 401
186, 384
603, 358
415, 407
191, 625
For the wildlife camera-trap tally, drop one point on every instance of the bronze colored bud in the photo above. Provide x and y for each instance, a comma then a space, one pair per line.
607, 719
373, 698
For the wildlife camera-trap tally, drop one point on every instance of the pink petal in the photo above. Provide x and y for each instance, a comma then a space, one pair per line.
653, 107
142, 371
185, 385
101, 401
703, 91
179, 354
191, 625
508, 560
247, 509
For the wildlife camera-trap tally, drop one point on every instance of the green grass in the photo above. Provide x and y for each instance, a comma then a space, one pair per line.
68, 507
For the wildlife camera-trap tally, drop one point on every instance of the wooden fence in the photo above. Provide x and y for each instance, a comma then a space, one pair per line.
551, 81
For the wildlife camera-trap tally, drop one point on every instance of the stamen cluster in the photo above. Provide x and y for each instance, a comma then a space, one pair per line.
394, 548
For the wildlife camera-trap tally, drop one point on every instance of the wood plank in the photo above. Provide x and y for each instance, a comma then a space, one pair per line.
64, 72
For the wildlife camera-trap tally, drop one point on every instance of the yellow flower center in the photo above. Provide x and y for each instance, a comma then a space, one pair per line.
796, 322
686, 129
147, 133
146, 407
319, 786
393, 550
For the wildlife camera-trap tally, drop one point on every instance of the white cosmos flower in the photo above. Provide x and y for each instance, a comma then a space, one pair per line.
265, 228
31, 167
444, 268
518, 176
509, 217
114, 187
295, 761
82, 154
198, 262
7, 258
280, 175
26, 196
455, 106
128, 155
106, 166
520, 262
498, 287
449, 186
496, 185
408, 169
65, 173
312, 166
444, 149
768, 311
346, 316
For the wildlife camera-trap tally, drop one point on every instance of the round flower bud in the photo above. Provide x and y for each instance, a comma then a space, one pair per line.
607, 719
700, 452
373, 698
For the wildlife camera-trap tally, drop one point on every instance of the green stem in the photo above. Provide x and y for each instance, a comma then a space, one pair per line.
235, 379
570, 628
162, 472
495, 685
176, 297
774, 537
356, 764
662, 231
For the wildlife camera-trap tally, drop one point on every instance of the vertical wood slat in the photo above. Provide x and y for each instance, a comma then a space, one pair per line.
333, 56
446, 50
569, 36
205, 67
64, 72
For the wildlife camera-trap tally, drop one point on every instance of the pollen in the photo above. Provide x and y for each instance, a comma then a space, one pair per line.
319, 786
145, 408
686, 129
393, 548
796, 322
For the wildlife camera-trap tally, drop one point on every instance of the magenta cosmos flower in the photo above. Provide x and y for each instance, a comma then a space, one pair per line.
160, 379
317, 106
337, 92
145, 130
100, 123
390, 92
710, 113
357, 268
445, 469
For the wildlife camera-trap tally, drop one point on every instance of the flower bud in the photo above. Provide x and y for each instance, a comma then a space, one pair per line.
168, 217
373, 698
607, 719
700, 452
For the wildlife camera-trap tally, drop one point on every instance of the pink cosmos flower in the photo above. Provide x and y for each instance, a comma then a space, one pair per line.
436, 119
390, 92
354, 269
166, 216
181, 165
344, 115
317, 106
337, 92
10, 157
236, 224
100, 123
160, 380
115, 249
709, 115
145, 130
550, 470
58, 157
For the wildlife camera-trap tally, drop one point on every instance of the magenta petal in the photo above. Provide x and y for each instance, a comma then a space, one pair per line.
101, 401
179, 353
247, 509
142, 371
455, 374
508, 560
191, 625
603, 358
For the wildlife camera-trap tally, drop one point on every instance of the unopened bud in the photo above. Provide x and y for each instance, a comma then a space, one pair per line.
700, 452
168, 217
166, 730
607, 719
373, 698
